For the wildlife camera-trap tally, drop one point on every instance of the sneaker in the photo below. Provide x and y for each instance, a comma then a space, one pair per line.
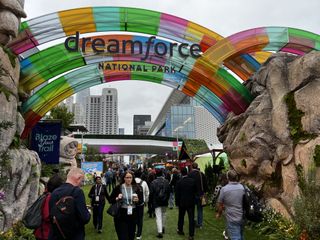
99, 231
191, 238
159, 235
225, 235
180, 232
138, 238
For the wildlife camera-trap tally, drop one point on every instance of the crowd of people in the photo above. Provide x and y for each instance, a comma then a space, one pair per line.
65, 212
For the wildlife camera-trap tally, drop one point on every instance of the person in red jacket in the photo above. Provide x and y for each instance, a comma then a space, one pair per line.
42, 232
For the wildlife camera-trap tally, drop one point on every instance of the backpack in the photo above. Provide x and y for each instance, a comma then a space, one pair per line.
141, 189
33, 217
253, 209
162, 194
63, 216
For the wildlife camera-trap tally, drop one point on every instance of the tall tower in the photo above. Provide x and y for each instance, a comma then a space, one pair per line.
102, 112
80, 106
109, 111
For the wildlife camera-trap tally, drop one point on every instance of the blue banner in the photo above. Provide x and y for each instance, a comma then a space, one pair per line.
45, 140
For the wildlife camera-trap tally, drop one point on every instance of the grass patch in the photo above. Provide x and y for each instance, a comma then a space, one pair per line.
212, 229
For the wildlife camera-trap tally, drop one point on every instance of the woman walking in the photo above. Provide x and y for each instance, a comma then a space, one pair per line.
130, 195
98, 194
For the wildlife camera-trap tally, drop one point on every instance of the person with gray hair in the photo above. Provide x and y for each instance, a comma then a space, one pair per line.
231, 201
69, 192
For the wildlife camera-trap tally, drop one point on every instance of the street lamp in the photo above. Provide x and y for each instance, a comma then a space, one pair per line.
177, 131
177, 136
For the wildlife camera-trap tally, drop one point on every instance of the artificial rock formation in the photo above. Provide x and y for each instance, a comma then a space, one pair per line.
19, 167
259, 141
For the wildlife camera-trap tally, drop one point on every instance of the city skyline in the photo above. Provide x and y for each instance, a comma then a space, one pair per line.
224, 17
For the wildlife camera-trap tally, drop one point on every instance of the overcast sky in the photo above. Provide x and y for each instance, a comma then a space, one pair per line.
225, 17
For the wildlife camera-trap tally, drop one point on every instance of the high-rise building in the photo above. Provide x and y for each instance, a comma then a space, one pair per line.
139, 120
81, 97
69, 104
102, 112
80, 106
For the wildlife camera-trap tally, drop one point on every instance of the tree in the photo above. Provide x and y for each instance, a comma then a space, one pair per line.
62, 113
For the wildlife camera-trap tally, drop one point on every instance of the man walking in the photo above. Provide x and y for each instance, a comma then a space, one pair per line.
68, 210
159, 195
185, 200
231, 200
202, 188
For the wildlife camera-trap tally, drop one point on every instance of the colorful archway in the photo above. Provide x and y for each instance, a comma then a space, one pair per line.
207, 78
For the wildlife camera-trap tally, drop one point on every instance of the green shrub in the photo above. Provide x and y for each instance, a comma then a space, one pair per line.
275, 226
294, 116
316, 156
307, 206
17, 232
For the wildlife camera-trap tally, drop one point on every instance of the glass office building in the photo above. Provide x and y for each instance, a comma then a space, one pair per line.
183, 117
180, 122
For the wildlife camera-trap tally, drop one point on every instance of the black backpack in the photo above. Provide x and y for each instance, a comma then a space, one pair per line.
63, 215
139, 185
163, 191
253, 209
33, 217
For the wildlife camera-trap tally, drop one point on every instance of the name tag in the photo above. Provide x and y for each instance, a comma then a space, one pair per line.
129, 211
97, 198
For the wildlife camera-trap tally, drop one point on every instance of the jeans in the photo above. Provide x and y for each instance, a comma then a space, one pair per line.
98, 215
235, 230
199, 212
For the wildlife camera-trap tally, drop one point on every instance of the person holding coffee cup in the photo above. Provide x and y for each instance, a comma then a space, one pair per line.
130, 195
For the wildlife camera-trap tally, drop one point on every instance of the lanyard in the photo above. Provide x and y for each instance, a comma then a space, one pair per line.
127, 197
96, 190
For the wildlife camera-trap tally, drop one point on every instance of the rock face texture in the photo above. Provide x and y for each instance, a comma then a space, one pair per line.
19, 167
264, 144
10, 13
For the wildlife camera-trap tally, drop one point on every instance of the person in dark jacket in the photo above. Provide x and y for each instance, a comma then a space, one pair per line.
75, 179
98, 193
174, 178
42, 232
202, 188
151, 175
159, 195
185, 200
130, 195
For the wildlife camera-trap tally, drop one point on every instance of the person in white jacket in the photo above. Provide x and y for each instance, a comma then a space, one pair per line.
140, 208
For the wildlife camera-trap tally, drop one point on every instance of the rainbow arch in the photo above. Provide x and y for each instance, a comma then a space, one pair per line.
207, 78
64, 61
